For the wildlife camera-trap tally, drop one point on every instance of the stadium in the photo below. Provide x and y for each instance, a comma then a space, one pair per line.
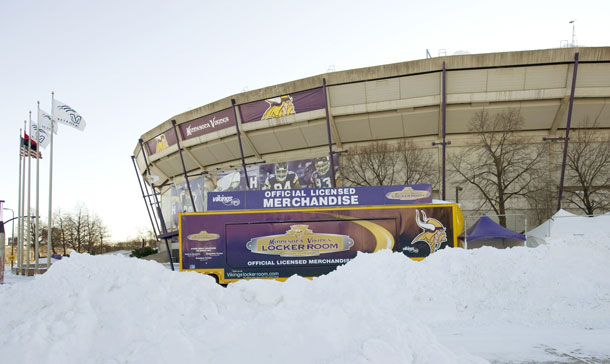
281, 136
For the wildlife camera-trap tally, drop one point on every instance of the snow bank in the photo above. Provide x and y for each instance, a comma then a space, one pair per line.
379, 308
111, 309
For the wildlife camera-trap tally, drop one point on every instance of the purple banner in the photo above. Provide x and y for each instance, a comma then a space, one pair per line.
161, 142
320, 197
283, 105
207, 124
278, 244
304, 173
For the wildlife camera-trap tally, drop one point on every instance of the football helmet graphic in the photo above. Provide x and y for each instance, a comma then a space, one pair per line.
322, 164
281, 170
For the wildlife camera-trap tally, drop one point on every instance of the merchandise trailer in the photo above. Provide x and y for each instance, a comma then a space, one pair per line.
278, 233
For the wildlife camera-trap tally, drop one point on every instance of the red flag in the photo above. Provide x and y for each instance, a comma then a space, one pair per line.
33, 144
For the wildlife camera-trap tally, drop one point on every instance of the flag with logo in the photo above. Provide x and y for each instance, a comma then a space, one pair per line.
67, 115
43, 135
44, 118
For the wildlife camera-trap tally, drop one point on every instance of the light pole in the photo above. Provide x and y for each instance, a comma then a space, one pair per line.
457, 193
573, 22
12, 231
12, 220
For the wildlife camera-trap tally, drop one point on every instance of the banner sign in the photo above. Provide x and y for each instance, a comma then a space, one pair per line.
280, 243
283, 105
162, 142
304, 173
207, 124
176, 199
320, 197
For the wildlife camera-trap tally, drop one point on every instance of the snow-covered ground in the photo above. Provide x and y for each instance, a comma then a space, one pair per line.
521, 305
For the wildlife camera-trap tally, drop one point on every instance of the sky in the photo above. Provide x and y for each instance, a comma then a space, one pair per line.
127, 66
549, 304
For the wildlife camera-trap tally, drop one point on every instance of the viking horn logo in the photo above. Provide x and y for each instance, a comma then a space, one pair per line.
279, 106
434, 232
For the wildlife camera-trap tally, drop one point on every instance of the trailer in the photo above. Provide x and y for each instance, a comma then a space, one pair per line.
310, 232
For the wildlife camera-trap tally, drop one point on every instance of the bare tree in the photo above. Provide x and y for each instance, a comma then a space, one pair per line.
381, 163
147, 235
542, 198
91, 234
501, 165
417, 165
80, 231
371, 165
588, 170
103, 235
62, 221
79, 218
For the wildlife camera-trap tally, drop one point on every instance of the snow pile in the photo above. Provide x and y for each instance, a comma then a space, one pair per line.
564, 225
379, 308
115, 309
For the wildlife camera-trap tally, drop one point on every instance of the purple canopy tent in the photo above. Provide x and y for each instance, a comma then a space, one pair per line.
488, 232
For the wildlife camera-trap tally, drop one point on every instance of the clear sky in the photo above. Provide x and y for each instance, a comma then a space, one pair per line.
126, 66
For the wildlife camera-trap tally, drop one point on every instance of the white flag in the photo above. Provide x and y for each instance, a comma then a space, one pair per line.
45, 122
45, 138
67, 115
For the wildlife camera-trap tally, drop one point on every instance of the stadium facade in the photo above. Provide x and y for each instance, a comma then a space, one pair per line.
236, 142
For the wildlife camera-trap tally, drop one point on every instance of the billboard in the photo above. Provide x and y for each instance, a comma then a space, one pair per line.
176, 198
323, 197
280, 243
161, 142
303, 173
283, 105
311, 241
207, 124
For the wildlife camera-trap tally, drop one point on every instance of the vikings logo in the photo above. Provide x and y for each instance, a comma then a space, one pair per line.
161, 143
279, 106
434, 233
299, 230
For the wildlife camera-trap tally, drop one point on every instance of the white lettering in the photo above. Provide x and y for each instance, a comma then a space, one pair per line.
211, 123
280, 198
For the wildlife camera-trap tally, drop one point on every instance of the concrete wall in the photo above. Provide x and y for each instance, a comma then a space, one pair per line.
402, 100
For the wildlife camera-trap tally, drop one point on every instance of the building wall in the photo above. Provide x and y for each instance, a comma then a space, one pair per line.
402, 100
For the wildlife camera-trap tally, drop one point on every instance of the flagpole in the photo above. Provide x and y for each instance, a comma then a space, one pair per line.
50, 227
29, 209
22, 229
37, 233
19, 257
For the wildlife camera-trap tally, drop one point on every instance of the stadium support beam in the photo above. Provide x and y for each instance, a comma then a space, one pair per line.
186, 177
330, 140
241, 148
560, 114
158, 206
144, 196
242, 133
331, 119
188, 151
567, 137
444, 143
